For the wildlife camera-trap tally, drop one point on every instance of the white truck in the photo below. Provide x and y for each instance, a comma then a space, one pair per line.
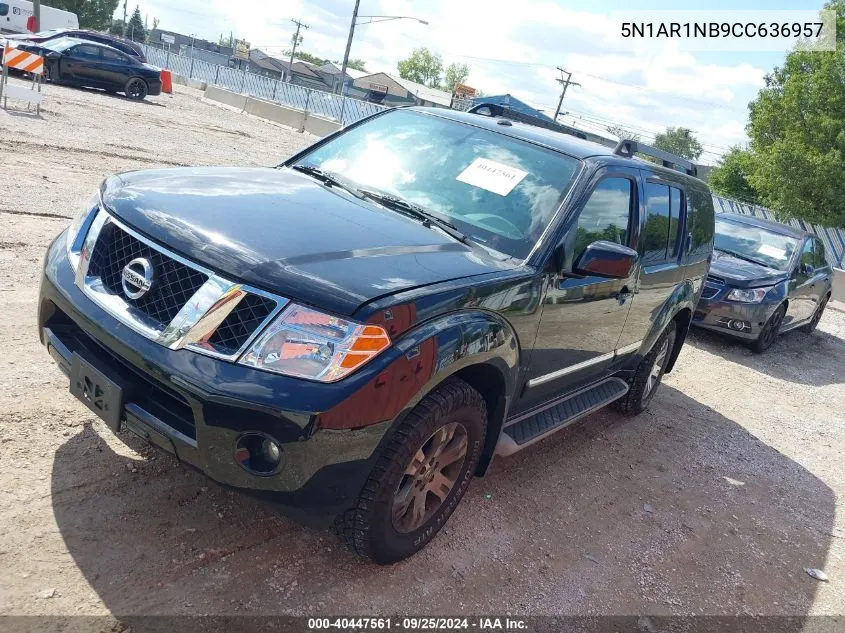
16, 17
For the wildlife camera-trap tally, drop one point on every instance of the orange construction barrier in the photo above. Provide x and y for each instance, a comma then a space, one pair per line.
166, 82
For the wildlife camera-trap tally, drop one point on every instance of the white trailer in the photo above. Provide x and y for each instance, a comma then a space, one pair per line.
15, 17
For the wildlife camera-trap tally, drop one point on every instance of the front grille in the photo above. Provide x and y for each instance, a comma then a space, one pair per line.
709, 292
173, 285
241, 323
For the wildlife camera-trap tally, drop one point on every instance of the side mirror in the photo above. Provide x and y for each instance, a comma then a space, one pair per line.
606, 259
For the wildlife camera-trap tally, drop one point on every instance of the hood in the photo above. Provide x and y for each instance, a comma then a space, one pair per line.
741, 273
283, 232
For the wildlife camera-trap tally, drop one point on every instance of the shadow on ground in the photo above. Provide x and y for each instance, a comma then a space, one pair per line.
677, 511
810, 359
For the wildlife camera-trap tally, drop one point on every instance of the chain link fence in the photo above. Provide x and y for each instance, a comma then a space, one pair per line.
345, 110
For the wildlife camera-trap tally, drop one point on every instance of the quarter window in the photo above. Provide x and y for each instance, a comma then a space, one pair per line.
606, 215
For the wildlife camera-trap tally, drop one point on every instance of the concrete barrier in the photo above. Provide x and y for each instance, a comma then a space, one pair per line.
227, 97
197, 84
274, 112
320, 126
838, 293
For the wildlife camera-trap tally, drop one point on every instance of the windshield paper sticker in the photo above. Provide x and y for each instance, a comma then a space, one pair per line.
772, 251
492, 176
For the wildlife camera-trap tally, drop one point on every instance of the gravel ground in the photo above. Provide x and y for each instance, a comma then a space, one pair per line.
712, 502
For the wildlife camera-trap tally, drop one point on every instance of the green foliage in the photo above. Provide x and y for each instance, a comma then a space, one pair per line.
422, 67
679, 141
357, 64
730, 177
306, 57
455, 74
92, 14
797, 130
135, 28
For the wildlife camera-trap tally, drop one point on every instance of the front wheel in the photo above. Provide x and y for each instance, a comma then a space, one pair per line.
136, 89
422, 475
648, 375
770, 331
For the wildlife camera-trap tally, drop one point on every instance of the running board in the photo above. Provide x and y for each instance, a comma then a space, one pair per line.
524, 431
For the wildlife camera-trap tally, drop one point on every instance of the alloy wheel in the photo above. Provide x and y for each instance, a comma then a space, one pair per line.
771, 328
429, 477
136, 89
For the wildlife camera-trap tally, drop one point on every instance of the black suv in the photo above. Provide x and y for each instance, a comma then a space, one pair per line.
356, 333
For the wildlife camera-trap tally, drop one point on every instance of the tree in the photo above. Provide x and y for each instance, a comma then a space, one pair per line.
135, 29
621, 133
306, 57
455, 74
679, 141
730, 177
92, 14
797, 131
357, 64
422, 67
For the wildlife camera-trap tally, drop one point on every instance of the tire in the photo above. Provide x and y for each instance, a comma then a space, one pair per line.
398, 512
817, 316
136, 89
649, 374
770, 331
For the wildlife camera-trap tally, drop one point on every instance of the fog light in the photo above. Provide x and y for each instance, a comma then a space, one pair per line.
258, 453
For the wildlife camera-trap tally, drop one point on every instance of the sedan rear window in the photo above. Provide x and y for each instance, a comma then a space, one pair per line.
500, 191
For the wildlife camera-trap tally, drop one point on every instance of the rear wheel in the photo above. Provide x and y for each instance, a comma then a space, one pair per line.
422, 475
136, 89
770, 331
817, 316
649, 374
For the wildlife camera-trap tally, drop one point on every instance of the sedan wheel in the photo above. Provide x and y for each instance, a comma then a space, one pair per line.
817, 316
770, 331
136, 89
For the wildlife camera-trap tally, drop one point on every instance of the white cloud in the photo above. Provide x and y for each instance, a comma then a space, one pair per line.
509, 48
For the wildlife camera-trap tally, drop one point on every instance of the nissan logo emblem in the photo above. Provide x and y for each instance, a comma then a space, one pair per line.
137, 278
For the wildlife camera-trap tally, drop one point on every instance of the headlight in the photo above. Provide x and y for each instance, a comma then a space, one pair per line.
752, 295
75, 235
305, 343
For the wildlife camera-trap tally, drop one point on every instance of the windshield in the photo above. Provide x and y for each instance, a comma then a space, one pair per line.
757, 244
497, 190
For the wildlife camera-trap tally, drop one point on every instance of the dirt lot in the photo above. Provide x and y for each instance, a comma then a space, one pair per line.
712, 502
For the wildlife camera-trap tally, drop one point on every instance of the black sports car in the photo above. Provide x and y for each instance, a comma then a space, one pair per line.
124, 46
83, 63
766, 278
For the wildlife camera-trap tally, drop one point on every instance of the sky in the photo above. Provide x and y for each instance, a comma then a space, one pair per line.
514, 47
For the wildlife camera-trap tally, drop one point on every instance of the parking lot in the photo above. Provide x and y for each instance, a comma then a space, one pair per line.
712, 502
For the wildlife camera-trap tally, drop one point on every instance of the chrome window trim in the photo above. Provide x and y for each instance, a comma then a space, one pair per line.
201, 315
560, 373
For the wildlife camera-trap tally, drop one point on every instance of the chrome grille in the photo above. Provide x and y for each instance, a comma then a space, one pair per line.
241, 323
186, 305
174, 282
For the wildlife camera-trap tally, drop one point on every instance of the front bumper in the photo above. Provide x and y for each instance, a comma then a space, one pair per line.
725, 316
196, 407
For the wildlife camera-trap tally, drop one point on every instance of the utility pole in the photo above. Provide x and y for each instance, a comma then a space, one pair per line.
36, 13
565, 83
124, 18
348, 47
299, 25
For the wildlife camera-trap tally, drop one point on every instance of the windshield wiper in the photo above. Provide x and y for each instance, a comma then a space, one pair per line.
415, 211
326, 178
744, 257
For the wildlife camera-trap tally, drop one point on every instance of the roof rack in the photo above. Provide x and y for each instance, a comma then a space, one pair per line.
627, 148
498, 110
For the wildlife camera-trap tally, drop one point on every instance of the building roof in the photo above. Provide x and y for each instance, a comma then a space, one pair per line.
330, 68
771, 225
263, 60
425, 93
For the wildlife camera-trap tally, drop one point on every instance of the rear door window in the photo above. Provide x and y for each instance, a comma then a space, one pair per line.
665, 206
820, 257
113, 56
86, 51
